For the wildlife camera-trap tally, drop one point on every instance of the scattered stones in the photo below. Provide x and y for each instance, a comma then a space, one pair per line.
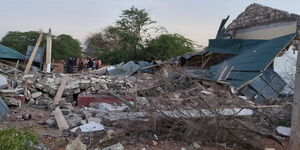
76, 145
96, 120
36, 94
51, 122
13, 102
26, 116
196, 145
31, 102
73, 121
117, 146
27, 94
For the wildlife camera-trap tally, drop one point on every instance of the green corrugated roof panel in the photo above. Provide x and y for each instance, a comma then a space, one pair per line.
235, 83
260, 56
243, 75
254, 60
232, 46
8, 53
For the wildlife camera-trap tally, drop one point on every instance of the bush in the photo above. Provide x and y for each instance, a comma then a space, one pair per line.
167, 46
17, 139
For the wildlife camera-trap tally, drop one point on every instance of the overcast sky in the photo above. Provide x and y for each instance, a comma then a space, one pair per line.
196, 19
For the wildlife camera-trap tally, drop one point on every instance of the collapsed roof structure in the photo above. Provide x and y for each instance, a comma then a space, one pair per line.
242, 55
9, 53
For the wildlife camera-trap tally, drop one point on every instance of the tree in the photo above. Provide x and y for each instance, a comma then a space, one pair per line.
106, 41
128, 33
133, 25
20, 40
168, 45
64, 46
131, 38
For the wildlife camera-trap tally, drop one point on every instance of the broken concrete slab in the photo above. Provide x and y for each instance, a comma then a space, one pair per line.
108, 107
85, 100
96, 120
89, 127
50, 122
36, 94
286, 131
60, 119
113, 116
73, 120
27, 94
14, 102
117, 146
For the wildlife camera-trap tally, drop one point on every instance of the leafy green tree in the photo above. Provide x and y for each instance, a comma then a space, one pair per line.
134, 23
168, 45
130, 38
106, 41
63, 46
20, 40
128, 33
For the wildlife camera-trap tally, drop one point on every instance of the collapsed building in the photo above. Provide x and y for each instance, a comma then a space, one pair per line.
199, 100
243, 53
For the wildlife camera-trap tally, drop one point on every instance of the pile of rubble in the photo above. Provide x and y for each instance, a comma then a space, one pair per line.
165, 105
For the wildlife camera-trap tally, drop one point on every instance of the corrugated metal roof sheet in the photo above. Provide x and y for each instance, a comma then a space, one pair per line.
251, 63
267, 86
3, 109
232, 46
9, 53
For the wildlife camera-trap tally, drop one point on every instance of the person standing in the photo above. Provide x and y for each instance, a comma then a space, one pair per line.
80, 65
69, 66
90, 64
97, 65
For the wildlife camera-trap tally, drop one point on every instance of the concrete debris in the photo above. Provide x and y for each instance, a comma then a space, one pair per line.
60, 119
14, 102
27, 94
96, 120
108, 107
76, 145
117, 146
89, 127
36, 94
219, 94
73, 120
286, 131
50, 122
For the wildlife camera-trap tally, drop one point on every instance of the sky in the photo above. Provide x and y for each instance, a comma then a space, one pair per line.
198, 20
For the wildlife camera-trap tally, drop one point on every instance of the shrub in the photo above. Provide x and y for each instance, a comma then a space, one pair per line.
17, 139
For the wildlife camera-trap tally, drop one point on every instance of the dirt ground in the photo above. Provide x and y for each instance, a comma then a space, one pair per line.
57, 140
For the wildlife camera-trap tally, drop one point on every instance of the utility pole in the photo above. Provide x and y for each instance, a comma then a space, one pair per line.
295, 131
47, 66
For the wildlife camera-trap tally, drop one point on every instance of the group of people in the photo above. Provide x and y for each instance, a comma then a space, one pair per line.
74, 64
